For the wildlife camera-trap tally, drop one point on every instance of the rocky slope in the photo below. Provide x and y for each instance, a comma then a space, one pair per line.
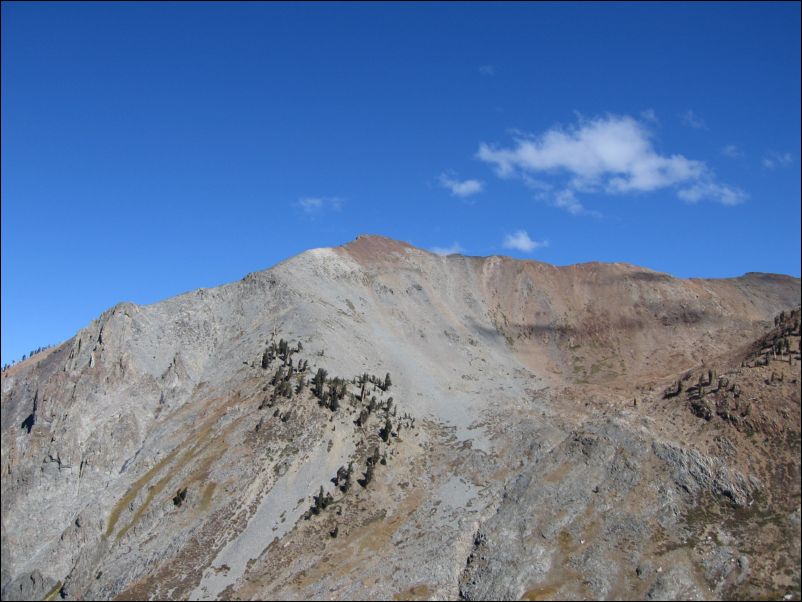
547, 433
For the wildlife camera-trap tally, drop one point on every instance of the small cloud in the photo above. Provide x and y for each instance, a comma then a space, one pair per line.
317, 205
732, 151
563, 199
536, 184
488, 70
520, 241
311, 205
692, 120
650, 115
460, 188
714, 192
566, 199
450, 250
774, 159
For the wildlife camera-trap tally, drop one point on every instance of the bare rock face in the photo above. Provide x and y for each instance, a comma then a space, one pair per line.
374, 421
30, 586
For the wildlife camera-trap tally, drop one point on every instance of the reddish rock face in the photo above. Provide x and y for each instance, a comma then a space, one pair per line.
369, 249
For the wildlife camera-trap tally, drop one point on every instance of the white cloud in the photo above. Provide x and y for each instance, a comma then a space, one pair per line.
460, 188
488, 70
311, 205
649, 115
566, 199
714, 192
692, 120
536, 184
316, 205
449, 250
520, 241
774, 159
732, 151
611, 154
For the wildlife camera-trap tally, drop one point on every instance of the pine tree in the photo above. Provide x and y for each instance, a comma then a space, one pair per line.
318, 381
385, 432
363, 417
343, 478
317, 506
368, 475
283, 349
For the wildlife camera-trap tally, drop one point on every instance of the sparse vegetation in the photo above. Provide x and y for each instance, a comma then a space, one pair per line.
8, 365
342, 480
320, 502
179, 497
318, 381
386, 430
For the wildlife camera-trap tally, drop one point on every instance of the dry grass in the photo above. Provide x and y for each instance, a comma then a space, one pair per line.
547, 592
206, 497
134, 491
51, 595
416, 592
198, 443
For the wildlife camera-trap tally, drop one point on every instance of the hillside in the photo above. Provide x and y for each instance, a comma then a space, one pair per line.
546, 433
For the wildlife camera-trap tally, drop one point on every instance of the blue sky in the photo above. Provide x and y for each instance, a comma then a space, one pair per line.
151, 148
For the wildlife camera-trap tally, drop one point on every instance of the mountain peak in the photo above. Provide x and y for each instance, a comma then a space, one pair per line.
368, 248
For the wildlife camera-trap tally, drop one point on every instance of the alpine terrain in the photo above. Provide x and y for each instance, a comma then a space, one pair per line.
374, 421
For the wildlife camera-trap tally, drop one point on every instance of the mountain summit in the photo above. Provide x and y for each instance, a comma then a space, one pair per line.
376, 421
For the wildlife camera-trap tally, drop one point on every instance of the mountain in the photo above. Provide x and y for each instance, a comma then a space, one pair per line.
375, 421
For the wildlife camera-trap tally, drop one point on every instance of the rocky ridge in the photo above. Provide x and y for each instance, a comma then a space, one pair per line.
536, 446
